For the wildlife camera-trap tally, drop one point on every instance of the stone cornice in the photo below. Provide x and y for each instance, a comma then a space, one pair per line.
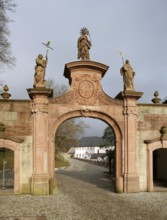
78, 65
40, 91
161, 139
129, 94
10, 138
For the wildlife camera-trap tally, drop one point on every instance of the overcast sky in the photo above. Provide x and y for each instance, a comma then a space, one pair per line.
138, 27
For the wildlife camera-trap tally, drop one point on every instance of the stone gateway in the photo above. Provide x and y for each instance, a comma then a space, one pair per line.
29, 128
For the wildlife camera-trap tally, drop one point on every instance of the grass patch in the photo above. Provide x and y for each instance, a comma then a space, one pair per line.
8, 155
60, 161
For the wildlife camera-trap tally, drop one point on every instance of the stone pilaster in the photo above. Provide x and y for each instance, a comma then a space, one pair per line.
131, 178
40, 177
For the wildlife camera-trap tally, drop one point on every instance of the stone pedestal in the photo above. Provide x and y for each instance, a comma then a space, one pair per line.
40, 177
131, 178
40, 184
84, 79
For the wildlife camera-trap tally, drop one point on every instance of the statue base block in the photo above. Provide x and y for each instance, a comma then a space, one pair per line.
40, 184
132, 183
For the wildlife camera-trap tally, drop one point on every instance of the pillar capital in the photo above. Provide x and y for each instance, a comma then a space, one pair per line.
129, 94
40, 92
40, 99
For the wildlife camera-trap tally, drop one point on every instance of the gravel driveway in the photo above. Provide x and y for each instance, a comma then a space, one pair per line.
85, 193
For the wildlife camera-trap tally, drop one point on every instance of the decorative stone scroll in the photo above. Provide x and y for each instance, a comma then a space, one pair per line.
86, 88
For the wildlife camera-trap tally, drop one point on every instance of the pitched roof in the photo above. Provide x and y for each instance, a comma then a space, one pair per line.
90, 141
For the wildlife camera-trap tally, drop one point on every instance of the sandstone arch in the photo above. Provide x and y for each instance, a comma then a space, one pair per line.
98, 115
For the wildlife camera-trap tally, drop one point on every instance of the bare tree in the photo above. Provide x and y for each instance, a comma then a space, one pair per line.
109, 140
68, 134
5, 46
58, 90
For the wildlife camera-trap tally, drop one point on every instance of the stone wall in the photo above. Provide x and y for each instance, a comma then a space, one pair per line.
16, 115
17, 119
151, 117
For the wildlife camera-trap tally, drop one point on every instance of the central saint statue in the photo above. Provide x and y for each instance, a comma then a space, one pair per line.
84, 44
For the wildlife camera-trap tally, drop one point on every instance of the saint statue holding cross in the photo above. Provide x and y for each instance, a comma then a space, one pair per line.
39, 76
40, 68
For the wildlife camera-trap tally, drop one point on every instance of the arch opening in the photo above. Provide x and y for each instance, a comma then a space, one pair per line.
6, 169
118, 154
86, 142
14, 147
159, 169
156, 165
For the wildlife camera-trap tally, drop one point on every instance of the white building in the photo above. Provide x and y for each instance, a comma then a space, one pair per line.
87, 152
89, 146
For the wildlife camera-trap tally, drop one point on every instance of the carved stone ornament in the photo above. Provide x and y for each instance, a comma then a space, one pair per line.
156, 99
85, 112
2, 129
86, 89
163, 131
5, 94
43, 108
131, 111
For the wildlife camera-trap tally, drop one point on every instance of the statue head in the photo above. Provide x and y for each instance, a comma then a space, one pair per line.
40, 56
127, 61
84, 31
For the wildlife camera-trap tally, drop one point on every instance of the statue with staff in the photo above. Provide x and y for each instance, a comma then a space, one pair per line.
84, 44
40, 68
127, 73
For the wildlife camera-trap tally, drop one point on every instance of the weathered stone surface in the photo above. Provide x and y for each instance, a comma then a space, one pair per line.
17, 119
151, 118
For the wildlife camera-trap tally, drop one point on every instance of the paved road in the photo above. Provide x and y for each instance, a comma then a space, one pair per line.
85, 193
85, 173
